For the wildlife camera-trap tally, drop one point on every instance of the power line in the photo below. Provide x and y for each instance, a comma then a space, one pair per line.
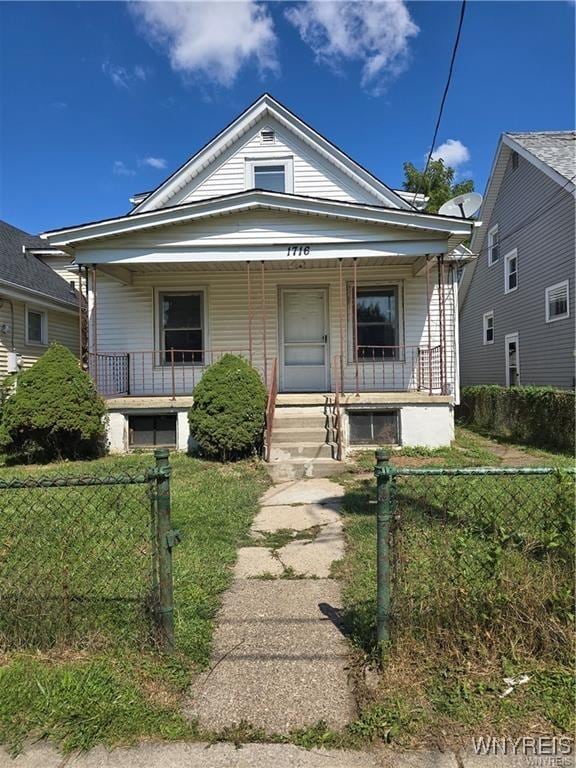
548, 204
444, 95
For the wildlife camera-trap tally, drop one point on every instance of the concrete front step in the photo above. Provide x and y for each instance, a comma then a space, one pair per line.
287, 451
295, 420
303, 434
283, 471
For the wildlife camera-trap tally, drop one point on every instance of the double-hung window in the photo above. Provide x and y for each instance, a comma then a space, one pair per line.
511, 271
36, 327
493, 245
488, 328
182, 328
375, 318
557, 307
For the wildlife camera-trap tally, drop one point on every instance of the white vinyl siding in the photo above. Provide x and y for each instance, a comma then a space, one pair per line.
62, 327
313, 174
125, 313
557, 302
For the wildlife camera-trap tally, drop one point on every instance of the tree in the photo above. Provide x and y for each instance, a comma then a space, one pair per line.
438, 184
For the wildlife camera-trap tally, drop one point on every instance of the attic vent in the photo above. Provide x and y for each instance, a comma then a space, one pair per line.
514, 160
267, 136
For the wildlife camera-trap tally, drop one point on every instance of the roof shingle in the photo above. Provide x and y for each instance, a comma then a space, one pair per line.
555, 148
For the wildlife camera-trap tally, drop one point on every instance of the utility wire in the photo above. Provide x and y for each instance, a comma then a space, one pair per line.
548, 204
443, 102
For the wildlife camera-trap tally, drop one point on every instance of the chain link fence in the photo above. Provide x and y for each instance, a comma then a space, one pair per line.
477, 553
86, 561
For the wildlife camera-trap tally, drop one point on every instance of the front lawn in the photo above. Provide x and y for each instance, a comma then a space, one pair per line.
109, 694
483, 590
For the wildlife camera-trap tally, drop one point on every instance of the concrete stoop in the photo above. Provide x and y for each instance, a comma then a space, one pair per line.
303, 444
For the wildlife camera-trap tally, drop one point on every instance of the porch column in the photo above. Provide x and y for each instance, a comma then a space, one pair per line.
80, 318
355, 324
264, 345
249, 286
441, 319
428, 323
94, 326
341, 319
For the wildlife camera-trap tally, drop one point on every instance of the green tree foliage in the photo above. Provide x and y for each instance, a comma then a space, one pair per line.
55, 411
227, 418
438, 184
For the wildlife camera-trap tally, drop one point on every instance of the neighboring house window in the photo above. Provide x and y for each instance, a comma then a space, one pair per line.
488, 324
493, 245
182, 326
514, 160
377, 323
512, 360
511, 271
557, 307
272, 175
36, 327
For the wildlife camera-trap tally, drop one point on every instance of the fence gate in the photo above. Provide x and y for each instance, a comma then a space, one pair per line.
87, 559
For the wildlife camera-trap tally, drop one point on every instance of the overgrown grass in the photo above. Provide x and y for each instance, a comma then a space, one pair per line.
483, 590
106, 692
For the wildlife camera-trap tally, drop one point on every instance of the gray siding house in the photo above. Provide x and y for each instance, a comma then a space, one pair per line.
517, 298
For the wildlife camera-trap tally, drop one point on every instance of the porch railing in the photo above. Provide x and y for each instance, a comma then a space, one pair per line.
271, 409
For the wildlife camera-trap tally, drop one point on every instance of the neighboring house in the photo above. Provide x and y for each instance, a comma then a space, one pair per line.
517, 298
37, 306
272, 243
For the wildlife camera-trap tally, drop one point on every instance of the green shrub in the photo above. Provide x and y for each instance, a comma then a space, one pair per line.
227, 418
55, 411
540, 416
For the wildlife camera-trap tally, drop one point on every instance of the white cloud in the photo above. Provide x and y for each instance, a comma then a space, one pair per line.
374, 32
121, 169
123, 77
154, 162
210, 39
453, 152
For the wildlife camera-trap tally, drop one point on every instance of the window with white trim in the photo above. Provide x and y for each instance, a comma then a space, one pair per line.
376, 320
271, 174
557, 306
36, 326
511, 271
511, 343
493, 245
182, 326
488, 328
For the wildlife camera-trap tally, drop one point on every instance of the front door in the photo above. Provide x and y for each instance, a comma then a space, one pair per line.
304, 340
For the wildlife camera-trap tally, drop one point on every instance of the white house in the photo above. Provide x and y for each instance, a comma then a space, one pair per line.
272, 243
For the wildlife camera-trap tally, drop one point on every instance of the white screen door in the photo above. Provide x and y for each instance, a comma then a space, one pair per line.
304, 343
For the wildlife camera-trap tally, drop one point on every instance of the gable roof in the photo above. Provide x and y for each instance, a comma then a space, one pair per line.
267, 106
21, 269
552, 152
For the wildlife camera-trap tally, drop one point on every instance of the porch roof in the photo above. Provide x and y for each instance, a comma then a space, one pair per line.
438, 228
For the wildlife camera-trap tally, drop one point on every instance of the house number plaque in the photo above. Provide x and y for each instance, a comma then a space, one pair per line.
298, 250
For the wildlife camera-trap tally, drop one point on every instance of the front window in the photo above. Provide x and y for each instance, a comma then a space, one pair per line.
270, 177
557, 302
377, 323
493, 246
511, 271
182, 326
35, 327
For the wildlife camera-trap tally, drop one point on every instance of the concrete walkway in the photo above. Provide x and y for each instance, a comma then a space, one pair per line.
279, 658
226, 755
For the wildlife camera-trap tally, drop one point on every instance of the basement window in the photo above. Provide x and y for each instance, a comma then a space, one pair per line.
152, 431
373, 427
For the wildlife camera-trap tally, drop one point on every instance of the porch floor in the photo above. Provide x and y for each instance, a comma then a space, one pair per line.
134, 402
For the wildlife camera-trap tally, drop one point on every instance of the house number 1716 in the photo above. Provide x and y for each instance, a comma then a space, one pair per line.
298, 250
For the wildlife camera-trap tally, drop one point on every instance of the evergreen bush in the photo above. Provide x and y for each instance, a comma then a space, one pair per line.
227, 417
541, 416
55, 411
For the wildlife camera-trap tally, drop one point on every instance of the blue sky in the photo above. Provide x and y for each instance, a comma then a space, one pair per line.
101, 100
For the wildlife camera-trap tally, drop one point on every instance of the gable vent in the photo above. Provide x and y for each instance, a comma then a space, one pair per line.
267, 136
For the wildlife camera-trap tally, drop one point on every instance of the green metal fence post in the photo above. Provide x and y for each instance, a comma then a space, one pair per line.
167, 538
384, 479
